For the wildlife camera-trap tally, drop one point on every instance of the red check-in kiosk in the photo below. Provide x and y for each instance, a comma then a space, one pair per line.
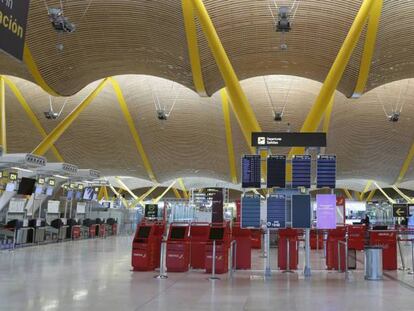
356, 237
256, 237
199, 233
178, 248
387, 239
316, 239
146, 246
286, 236
332, 247
243, 247
221, 235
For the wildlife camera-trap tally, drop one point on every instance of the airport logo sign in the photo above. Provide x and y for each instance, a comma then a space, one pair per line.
13, 22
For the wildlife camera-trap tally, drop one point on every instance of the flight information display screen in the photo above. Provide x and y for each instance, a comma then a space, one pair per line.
251, 171
326, 171
301, 171
276, 171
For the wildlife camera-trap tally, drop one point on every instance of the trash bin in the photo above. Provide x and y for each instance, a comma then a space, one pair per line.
373, 263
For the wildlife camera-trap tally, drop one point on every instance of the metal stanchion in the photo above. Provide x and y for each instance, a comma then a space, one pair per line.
307, 270
325, 237
317, 240
163, 270
263, 238
233, 258
268, 270
213, 265
345, 244
288, 257
403, 268
412, 257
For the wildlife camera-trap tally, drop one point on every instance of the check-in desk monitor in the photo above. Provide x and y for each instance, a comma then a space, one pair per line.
178, 233
144, 232
216, 234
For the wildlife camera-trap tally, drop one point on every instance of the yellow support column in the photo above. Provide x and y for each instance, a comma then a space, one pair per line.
406, 165
193, 50
241, 107
31, 115
185, 192
53, 136
371, 195
368, 185
177, 194
3, 125
370, 40
164, 193
34, 71
328, 114
392, 201
348, 194
125, 187
229, 136
133, 130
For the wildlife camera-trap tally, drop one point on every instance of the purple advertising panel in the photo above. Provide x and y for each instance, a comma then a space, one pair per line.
326, 211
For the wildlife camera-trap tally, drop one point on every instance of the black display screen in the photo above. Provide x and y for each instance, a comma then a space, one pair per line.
276, 171
178, 233
251, 171
216, 233
26, 186
326, 171
143, 232
301, 171
151, 210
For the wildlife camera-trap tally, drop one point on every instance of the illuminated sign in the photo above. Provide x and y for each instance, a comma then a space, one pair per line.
52, 182
41, 181
13, 22
12, 176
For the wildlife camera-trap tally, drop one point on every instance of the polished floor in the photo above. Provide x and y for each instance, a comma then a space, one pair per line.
96, 275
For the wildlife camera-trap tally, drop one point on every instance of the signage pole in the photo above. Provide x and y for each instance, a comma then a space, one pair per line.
412, 257
307, 271
268, 270
213, 264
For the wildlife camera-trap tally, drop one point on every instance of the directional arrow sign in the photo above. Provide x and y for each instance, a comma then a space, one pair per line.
400, 210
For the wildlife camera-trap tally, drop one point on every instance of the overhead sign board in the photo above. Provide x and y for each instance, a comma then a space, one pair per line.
326, 211
301, 171
250, 211
13, 22
400, 210
301, 212
251, 171
326, 171
151, 210
276, 211
276, 171
288, 139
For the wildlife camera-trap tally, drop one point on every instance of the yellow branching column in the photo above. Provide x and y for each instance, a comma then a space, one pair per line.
3, 126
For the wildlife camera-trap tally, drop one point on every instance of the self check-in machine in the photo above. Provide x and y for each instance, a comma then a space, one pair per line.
244, 247
218, 244
199, 236
146, 246
178, 248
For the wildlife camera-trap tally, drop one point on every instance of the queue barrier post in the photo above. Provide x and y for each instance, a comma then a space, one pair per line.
412, 258
213, 276
403, 267
163, 272
233, 258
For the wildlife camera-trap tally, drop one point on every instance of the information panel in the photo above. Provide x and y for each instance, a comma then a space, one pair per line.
13, 21
326, 211
400, 210
276, 211
288, 139
301, 211
250, 211
251, 166
151, 210
276, 171
326, 171
301, 171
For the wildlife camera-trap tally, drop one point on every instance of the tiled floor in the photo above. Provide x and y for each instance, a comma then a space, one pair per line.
95, 275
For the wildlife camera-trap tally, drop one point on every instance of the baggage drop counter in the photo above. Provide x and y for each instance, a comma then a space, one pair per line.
220, 237
244, 247
387, 239
178, 248
333, 249
288, 249
146, 246
199, 234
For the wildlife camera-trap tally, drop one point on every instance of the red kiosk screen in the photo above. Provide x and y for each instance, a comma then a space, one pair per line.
178, 233
143, 232
216, 234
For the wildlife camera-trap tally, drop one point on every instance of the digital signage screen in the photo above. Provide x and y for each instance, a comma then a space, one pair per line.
276, 171
251, 174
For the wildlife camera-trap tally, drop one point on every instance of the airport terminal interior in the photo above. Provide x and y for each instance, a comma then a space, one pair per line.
206, 155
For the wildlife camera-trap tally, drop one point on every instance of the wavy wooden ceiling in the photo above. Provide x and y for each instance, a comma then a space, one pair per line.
191, 143
148, 37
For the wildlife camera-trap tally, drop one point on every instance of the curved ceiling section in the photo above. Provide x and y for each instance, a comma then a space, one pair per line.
148, 37
192, 142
